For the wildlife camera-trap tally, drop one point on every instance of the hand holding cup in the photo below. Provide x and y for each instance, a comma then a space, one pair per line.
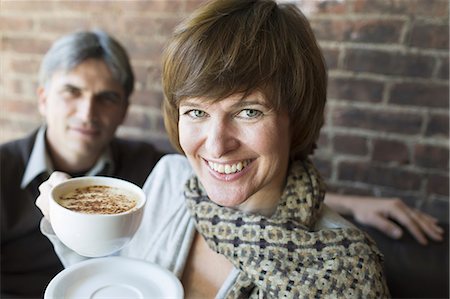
94, 216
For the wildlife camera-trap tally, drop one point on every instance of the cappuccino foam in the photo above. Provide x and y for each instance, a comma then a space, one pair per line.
98, 199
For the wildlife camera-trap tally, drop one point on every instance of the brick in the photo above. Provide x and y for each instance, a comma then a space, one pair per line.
97, 7
437, 207
147, 98
437, 126
14, 23
27, 6
377, 31
25, 66
116, 28
160, 127
144, 49
332, 6
380, 176
429, 36
351, 145
330, 30
140, 73
421, 95
193, 4
443, 69
19, 107
30, 45
331, 58
323, 141
358, 90
138, 118
389, 63
416, 7
63, 25
430, 156
385, 121
24, 88
367, 30
390, 151
353, 190
154, 75
323, 166
156, 7
438, 184
149, 27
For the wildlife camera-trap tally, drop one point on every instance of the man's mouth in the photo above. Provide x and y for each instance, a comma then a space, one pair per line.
86, 131
229, 168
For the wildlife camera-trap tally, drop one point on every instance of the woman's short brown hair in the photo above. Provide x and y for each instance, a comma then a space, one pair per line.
239, 46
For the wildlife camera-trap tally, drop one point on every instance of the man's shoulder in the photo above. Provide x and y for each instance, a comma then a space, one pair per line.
21, 147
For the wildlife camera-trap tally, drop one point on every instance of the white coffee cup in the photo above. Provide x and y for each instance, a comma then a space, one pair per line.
95, 235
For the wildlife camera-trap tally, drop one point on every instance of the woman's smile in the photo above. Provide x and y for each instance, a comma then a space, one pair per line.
228, 171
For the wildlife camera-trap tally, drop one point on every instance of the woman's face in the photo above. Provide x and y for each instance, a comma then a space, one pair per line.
239, 148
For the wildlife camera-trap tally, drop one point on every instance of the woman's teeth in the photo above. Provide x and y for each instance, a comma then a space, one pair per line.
228, 168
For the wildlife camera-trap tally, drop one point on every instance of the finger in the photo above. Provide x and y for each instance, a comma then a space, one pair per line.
431, 228
57, 177
404, 216
426, 216
45, 189
386, 226
42, 205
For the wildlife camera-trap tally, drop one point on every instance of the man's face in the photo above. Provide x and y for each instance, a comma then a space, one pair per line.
82, 108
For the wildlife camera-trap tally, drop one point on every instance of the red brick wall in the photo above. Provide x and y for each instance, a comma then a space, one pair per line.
387, 120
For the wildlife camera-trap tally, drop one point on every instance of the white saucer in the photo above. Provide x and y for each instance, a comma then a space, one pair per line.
114, 277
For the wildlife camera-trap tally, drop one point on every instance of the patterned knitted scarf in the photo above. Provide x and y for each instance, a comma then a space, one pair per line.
281, 256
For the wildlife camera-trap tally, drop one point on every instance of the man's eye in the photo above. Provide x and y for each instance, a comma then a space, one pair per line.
109, 98
194, 113
71, 92
249, 113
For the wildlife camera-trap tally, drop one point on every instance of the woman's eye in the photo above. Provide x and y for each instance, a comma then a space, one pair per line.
194, 113
250, 113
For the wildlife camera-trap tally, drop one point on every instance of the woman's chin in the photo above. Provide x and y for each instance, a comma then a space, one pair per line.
229, 201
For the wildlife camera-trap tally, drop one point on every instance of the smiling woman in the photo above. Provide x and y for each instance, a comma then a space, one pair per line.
245, 90
242, 215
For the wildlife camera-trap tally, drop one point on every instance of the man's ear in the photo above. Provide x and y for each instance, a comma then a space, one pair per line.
42, 100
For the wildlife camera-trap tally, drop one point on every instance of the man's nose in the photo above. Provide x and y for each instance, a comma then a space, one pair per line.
221, 138
86, 108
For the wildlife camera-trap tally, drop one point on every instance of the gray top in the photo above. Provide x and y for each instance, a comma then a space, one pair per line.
167, 230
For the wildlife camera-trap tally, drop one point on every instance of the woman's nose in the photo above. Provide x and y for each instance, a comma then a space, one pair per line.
221, 138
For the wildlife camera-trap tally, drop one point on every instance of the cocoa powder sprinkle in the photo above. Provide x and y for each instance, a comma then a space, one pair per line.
98, 199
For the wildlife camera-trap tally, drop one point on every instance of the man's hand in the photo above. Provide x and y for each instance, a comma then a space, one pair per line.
380, 213
45, 188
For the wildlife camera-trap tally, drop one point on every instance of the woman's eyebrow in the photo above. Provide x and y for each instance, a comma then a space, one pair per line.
191, 103
250, 102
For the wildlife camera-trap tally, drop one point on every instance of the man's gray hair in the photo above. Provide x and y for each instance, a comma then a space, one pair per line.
71, 50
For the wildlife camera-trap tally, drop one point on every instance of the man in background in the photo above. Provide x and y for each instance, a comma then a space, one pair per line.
85, 82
